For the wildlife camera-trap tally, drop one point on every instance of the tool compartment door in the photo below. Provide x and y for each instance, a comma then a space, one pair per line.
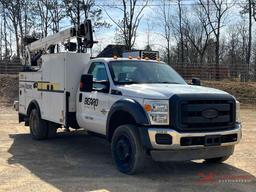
22, 98
52, 88
28, 90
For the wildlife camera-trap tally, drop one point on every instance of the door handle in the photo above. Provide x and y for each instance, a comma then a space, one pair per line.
80, 97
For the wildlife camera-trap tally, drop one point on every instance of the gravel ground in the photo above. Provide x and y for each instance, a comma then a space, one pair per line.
79, 162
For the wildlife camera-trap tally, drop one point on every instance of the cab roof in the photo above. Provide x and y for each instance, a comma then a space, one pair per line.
109, 59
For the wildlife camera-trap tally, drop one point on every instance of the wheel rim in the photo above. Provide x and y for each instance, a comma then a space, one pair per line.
123, 151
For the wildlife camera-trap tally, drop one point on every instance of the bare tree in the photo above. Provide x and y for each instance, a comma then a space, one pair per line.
254, 59
1, 31
236, 47
254, 9
164, 18
12, 12
128, 25
181, 50
148, 31
198, 31
43, 9
216, 11
57, 14
74, 10
80, 10
249, 8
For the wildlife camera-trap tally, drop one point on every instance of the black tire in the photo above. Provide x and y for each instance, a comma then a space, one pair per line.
127, 150
38, 127
52, 130
217, 160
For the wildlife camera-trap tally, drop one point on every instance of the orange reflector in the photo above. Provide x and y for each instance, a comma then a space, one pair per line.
146, 58
115, 57
130, 57
147, 107
138, 58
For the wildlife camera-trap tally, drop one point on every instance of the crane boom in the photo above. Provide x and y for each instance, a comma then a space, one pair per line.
43, 44
83, 33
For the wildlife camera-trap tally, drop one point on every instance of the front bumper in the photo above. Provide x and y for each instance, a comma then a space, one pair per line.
192, 153
177, 137
176, 152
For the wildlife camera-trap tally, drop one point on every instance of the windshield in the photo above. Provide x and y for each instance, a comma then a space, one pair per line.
130, 72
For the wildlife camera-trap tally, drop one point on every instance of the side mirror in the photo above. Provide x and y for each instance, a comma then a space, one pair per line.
86, 83
101, 86
196, 81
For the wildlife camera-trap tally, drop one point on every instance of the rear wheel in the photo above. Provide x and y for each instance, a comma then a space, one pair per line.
38, 126
217, 160
127, 150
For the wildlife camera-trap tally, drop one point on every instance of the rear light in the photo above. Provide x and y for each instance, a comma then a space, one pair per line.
81, 85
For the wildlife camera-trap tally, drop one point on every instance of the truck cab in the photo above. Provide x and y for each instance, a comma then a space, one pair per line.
146, 109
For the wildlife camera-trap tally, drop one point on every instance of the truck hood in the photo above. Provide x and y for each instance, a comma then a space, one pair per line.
164, 91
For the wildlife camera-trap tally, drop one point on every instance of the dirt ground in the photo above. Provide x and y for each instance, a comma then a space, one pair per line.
78, 162
9, 88
244, 92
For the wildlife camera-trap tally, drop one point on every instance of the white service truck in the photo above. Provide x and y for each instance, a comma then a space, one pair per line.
142, 107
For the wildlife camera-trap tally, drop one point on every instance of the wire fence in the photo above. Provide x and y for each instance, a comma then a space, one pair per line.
235, 79
212, 72
10, 67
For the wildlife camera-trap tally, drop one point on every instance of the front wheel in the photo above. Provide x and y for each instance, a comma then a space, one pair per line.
127, 150
217, 160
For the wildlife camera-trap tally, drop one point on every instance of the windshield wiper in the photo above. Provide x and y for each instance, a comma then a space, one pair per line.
136, 82
166, 82
128, 83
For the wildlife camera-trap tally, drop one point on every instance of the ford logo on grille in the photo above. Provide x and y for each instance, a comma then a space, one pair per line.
210, 113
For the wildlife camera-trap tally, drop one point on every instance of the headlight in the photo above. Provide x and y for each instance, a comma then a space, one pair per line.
238, 111
158, 111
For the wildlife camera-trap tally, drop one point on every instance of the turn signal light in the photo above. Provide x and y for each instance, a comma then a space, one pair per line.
147, 107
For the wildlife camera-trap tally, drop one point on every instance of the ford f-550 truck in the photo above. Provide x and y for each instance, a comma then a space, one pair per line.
142, 107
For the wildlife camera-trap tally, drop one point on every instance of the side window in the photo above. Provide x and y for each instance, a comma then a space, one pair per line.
100, 77
99, 72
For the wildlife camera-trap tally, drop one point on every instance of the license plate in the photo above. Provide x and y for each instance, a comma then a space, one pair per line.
213, 140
